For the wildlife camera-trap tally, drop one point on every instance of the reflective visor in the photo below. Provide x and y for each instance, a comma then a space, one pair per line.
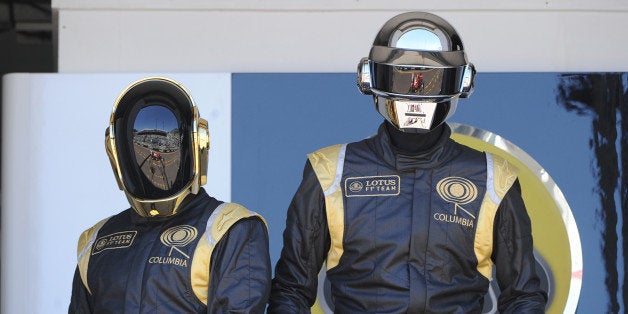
153, 141
417, 82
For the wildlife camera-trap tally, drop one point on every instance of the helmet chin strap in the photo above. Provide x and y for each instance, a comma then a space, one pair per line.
414, 143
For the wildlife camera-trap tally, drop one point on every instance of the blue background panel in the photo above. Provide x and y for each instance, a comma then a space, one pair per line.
279, 118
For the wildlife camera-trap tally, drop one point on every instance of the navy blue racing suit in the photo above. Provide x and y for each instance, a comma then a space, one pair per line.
407, 233
210, 257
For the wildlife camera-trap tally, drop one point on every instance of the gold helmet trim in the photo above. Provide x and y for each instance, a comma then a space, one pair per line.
200, 146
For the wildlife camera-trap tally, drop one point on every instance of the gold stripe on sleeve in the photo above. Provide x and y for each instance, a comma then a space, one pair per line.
218, 224
501, 175
84, 250
327, 164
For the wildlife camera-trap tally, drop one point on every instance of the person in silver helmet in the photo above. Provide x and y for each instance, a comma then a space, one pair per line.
416, 71
409, 221
177, 249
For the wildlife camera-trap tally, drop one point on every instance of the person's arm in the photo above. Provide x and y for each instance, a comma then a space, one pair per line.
514, 259
240, 270
79, 302
306, 243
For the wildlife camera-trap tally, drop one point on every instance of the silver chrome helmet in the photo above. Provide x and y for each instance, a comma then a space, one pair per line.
416, 70
157, 145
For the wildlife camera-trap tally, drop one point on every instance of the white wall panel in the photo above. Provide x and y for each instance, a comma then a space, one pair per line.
330, 36
57, 180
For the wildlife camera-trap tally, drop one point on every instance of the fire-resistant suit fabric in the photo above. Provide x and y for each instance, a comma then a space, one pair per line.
407, 234
211, 257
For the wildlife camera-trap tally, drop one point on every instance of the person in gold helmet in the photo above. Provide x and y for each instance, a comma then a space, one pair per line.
177, 249
409, 221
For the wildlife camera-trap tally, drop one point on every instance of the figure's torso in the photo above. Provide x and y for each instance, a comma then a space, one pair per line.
146, 267
409, 238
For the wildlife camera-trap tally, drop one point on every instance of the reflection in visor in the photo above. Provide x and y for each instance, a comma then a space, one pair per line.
419, 39
419, 82
157, 146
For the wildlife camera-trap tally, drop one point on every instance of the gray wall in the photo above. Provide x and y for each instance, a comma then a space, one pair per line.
330, 36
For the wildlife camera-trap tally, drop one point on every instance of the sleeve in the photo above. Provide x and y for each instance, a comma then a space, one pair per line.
306, 243
240, 270
514, 259
79, 302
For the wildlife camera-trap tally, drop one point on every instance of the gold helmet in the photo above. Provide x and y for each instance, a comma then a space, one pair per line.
157, 145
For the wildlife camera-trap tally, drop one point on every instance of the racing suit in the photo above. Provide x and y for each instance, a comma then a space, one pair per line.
407, 234
211, 257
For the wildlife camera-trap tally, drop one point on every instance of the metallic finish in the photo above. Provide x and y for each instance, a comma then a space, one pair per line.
417, 82
468, 81
387, 108
203, 140
398, 56
364, 76
416, 56
390, 34
157, 147
165, 205
553, 190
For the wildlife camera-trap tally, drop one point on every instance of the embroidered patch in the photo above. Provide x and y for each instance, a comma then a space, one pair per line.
113, 241
459, 191
372, 186
176, 237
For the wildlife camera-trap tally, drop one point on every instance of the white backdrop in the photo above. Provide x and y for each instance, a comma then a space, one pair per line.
330, 35
57, 180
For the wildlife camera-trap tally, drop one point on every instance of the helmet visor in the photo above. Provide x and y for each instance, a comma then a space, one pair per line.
153, 141
417, 82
